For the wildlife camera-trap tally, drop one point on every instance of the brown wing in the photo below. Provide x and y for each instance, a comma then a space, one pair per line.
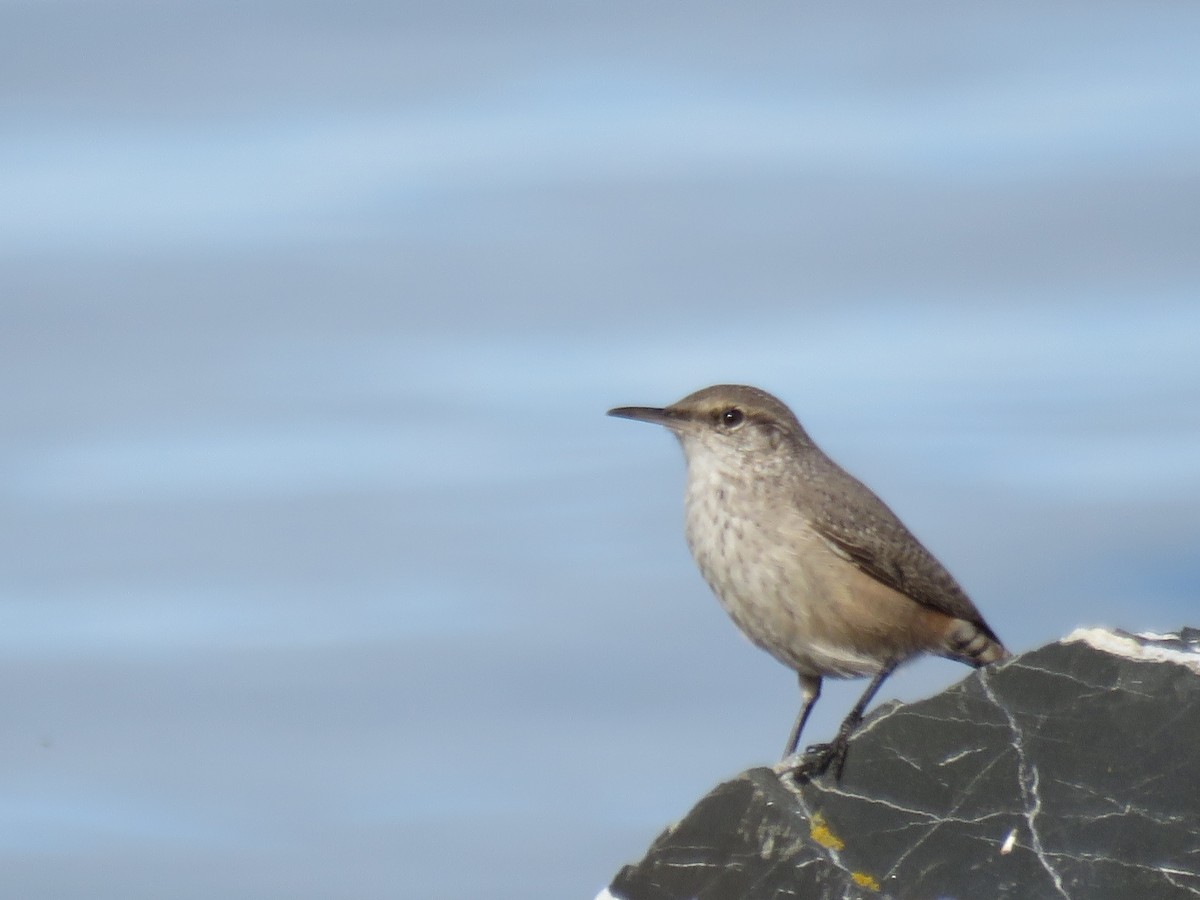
865, 531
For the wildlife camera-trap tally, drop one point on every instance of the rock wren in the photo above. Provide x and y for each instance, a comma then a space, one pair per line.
809, 563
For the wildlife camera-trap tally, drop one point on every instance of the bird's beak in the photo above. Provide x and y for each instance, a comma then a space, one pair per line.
645, 414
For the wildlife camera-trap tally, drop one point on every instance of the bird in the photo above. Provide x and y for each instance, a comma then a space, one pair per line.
811, 565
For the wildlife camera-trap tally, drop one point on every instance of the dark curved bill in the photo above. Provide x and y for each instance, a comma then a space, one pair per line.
643, 414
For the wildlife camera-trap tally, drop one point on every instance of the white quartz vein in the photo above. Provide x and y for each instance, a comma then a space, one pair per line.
1027, 776
1131, 648
1093, 689
961, 754
834, 856
1167, 873
951, 816
880, 716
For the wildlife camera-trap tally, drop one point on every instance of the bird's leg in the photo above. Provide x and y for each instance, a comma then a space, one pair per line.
810, 690
820, 758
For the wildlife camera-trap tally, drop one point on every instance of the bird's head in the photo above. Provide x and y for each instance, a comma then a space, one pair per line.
734, 423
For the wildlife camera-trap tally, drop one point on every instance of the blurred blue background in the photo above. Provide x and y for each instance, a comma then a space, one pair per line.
324, 574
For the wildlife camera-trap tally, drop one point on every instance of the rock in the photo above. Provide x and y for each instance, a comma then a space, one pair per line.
1072, 771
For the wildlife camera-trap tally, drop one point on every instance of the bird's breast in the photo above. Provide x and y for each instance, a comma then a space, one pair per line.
746, 550
773, 574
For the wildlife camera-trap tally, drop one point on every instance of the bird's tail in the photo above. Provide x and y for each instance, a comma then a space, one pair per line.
973, 643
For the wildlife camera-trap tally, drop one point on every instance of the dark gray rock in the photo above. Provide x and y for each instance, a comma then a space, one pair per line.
1072, 771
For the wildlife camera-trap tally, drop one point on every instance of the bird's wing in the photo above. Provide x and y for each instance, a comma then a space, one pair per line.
868, 534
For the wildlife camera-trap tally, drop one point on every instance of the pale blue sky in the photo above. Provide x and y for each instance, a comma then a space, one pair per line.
325, 574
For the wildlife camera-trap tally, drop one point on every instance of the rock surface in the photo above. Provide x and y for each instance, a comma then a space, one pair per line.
1072, 771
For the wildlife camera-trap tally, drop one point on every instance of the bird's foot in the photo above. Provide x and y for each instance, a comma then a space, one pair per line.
819, 759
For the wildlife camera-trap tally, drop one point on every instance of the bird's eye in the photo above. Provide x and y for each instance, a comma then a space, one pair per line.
732, 417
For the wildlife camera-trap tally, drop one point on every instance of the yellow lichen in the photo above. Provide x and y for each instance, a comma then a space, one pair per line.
862, 879
822, 835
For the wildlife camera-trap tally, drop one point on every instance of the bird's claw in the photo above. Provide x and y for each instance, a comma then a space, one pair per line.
819, 759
